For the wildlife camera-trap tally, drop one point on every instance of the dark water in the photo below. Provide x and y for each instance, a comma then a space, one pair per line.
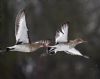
44, 17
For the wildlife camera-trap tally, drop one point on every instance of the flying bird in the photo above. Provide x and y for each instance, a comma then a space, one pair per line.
62, 43
23, 43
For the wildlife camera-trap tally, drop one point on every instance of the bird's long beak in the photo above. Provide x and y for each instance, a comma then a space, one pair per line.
82, 42
85, 41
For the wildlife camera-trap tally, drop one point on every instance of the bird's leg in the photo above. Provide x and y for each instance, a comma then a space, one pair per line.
86, 56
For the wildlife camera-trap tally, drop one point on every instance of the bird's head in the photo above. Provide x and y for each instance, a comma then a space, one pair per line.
79, 40
10, 49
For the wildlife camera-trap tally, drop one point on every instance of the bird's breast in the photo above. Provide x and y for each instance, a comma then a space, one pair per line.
22, 48
63, 47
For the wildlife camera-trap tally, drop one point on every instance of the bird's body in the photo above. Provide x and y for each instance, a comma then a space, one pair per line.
28, 47
23, 43
21, 48
60, 47
62, 44
65, 47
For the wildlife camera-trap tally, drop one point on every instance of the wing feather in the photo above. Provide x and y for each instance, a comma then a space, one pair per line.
21, 30
62, 36
73, 51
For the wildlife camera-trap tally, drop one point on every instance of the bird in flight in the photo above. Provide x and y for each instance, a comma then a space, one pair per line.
62, 43
23, 43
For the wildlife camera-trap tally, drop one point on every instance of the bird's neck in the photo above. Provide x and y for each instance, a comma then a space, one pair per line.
72, 43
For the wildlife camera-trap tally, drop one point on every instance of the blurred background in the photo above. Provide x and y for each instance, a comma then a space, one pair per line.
43, 18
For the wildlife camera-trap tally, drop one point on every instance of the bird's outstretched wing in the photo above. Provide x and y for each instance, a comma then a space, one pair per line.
73, 51
21, 30
62, 36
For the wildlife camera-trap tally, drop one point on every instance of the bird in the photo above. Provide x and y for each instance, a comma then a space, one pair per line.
23, 43
63, 44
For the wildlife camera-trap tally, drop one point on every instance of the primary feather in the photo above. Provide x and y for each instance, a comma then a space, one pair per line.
21, 31
62, 36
